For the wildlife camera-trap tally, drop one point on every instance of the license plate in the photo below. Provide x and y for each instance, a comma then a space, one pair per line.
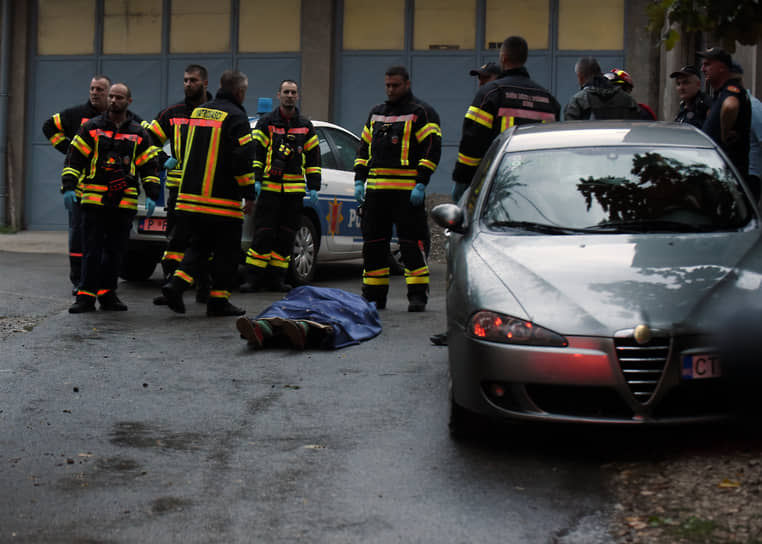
152, 224
696, 367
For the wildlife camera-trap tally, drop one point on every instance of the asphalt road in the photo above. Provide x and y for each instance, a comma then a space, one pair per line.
148, 426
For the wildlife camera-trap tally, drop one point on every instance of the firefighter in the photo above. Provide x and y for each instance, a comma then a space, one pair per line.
106, 158
217, 174
171, 125
287, 155
60, 130
400, 149
512, 99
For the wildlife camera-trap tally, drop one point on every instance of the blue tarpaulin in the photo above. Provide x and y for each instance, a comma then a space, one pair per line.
352, 318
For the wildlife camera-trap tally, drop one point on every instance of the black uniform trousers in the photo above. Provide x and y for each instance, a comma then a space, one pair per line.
382, 210
105, 234
209, 235
75, 243
277, 218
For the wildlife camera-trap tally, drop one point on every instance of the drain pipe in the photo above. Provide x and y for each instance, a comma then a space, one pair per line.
5, 66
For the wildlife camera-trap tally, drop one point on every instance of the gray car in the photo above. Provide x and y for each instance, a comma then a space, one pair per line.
591, 266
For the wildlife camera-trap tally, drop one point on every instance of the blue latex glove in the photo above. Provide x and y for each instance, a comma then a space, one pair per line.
69, 199
360, 190
170, 163
150, 206
313, 197
418, 194
257, 187
458, 190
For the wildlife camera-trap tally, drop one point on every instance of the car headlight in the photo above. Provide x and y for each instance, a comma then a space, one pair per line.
495, 327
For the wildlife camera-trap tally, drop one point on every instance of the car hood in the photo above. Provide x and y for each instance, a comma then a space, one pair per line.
596, 285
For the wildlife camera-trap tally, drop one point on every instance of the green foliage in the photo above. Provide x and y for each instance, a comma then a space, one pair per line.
727, 22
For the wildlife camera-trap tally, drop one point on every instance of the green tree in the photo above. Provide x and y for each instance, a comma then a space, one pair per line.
726, 21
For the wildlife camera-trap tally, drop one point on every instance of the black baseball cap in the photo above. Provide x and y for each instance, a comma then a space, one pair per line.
686, 70
486, 69
715, 53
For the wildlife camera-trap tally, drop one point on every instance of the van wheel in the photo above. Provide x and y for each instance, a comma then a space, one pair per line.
304, 258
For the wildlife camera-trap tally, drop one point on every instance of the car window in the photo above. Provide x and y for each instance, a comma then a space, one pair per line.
327, 160
617, 189
346, 148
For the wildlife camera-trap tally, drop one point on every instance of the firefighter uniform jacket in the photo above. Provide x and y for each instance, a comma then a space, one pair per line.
512, 99
172, 124
217, 164
287, 152
61, 127
106, 160
401, 145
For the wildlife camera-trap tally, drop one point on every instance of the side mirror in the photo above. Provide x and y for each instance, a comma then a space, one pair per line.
449, 216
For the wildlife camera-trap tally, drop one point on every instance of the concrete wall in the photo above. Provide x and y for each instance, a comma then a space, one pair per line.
642, 54
318, 31
17, 94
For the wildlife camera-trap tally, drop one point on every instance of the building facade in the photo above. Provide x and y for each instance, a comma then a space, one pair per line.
337, 50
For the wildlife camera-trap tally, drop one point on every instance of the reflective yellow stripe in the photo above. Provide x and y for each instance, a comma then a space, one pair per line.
468, 161
386, 183
71, 171
261, 137
81, 146
377, 272
480, 116
427, 130
57, 138
259, 260
361, 162
155, 127
219, 294
416, 280
313, 170
375, 281
406, 143
366, 135
244, 180
147, 155
243, 140
278, 261
57, 121
428, 164
258, 164
411, 172
312, 143
183, 276
176, 256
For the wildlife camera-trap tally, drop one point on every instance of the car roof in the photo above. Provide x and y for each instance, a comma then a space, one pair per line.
604, 133
253, 122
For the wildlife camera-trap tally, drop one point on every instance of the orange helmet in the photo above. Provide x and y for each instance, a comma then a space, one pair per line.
620, 78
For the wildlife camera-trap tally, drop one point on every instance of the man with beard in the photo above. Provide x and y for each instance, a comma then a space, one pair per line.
400, 150
106, 158
287, 154
171, 125
60, 129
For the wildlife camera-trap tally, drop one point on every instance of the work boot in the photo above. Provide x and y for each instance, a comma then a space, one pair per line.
278, 284
374, 293
221, 307
174, 298
82, 304
439, 339
74, 291
254, 330
202, 294
110, 302
296, 332
161, 300
254, 283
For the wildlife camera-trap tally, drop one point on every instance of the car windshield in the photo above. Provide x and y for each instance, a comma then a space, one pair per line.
615, 190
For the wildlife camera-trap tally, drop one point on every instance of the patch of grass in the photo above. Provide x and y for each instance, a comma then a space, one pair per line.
7, 230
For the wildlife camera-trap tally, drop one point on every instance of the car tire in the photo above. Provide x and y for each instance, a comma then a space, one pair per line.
138, 266
304, 257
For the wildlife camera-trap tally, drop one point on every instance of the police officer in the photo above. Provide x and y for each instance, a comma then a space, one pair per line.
512, 99
728, 122
400, 149
694, 103
106, 158
60, 129
217, 174
171, 124
287, 156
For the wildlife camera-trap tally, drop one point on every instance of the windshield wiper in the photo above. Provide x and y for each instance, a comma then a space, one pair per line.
650, 225
535, 227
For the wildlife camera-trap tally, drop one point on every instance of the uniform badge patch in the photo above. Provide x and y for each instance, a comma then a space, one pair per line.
395, 140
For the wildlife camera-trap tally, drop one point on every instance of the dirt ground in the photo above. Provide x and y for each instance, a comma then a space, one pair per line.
706, 490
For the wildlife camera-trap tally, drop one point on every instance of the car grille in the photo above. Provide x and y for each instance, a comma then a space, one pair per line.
642, 364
